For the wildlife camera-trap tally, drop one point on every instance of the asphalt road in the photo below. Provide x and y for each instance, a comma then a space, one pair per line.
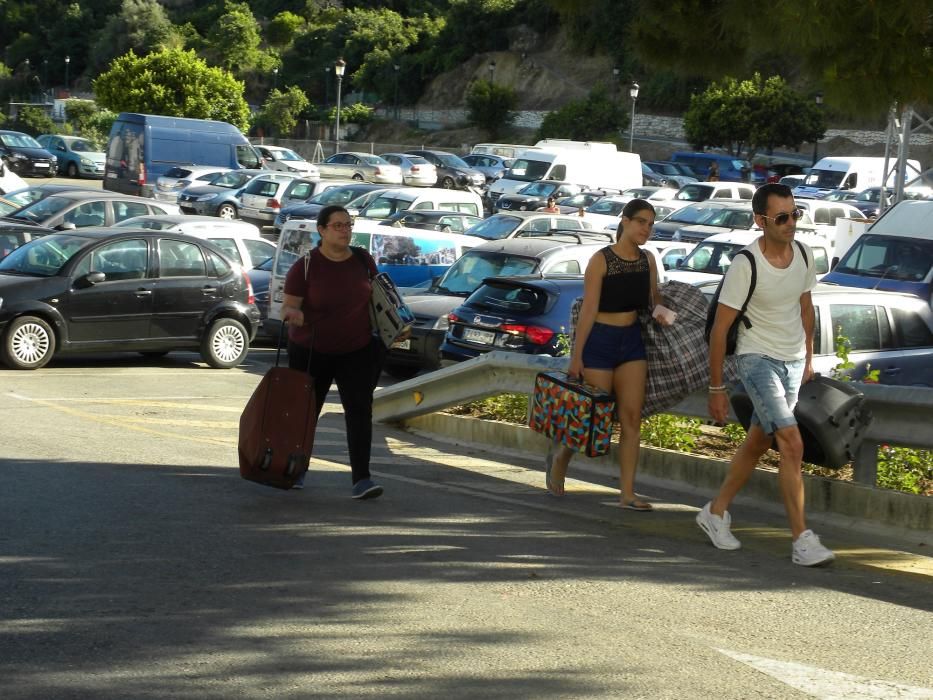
135, 563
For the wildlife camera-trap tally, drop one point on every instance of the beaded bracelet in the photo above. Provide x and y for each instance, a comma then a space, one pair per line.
718, 389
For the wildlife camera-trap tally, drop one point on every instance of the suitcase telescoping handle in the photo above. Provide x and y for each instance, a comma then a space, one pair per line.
278, 345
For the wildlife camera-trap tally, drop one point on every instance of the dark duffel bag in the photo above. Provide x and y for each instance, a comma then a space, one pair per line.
831, 415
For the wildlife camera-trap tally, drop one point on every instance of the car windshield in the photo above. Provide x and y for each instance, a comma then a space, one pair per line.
664, 168
610, 207
42, 257
451, 161
538, 189
335, 195
872, 195
178, 172
693, 193
288, 154
712, 258
43, 209
468, 272
19, 141
232, 180
825, 179
578, 200
694, 213
81, 146
685, 169
527, 170
20, 198
374, 160
889, 257
495, 227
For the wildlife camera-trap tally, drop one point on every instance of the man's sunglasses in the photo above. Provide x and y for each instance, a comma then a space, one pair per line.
782, 218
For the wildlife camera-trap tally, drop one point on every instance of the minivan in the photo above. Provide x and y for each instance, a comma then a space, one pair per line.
731, 169
409, 256
143, 146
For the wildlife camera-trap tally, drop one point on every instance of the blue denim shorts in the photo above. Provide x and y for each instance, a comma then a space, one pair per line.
607, 346
772, 386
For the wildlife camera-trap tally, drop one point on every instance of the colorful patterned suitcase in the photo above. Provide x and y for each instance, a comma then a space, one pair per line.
576, 414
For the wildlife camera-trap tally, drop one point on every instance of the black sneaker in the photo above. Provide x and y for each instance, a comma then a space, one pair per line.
366, 488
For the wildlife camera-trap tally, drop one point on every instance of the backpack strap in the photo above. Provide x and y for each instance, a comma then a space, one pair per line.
751, 286
803, 252
361, 254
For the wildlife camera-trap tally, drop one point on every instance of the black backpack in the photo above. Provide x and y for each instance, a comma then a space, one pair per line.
732, 335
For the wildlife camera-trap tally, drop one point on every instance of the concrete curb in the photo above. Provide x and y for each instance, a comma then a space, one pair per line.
828, 496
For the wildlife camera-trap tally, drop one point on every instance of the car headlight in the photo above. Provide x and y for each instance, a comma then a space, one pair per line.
523, 207
441, 324
206, 197
87, 162
53, 159
293, 170
18, 156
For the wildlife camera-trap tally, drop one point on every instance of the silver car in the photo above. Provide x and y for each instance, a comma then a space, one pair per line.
416, 171
261, 200
179, 177
364, 167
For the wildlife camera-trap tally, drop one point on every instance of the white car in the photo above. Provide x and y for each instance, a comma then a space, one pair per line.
239, 240
178, 177
286, 160
261, 199
9, 180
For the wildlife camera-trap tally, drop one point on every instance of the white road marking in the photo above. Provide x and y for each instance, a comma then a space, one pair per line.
830, 685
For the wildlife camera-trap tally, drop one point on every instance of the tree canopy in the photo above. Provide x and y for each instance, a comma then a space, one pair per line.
491, 106
172, 82
598, 117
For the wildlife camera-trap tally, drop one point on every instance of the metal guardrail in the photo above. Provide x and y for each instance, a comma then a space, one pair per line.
903, 416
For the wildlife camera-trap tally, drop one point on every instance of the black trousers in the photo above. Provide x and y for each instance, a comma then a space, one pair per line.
356, 374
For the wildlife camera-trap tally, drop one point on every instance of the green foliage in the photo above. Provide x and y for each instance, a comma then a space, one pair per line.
79, 113
904, 469
670, 432
510, 408
842, 370
283, 28
279, 114
491, 107
33, 121
234, 41
472, 27
598, 117
357, 113
175, 83
734, 432
141, 25
747, 116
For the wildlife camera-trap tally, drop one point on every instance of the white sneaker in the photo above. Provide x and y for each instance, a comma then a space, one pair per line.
807, 550
717, 528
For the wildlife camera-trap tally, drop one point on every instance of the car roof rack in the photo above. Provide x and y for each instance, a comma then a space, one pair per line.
576, 234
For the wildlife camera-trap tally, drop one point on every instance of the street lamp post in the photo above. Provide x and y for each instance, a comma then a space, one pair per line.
338, 71
818, 98
492, 71
67, 62
633, 93
326, 87
275, 78
395, 67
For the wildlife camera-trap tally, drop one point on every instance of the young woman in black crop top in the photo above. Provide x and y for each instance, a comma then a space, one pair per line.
620, 280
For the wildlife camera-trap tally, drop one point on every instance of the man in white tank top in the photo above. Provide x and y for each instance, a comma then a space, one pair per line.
774, 356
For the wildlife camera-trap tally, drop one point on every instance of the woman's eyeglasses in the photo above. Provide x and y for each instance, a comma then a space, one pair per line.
784, 216
341, 225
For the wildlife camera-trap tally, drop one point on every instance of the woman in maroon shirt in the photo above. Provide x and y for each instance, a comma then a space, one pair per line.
326, 305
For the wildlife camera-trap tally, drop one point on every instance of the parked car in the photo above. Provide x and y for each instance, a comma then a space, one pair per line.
24, 156
534, 195
696, 213
364, 167
392, 201
343, 195
260, 277
492, 166
170, 184
672, 253
77, 157
17, 199
106, 290
605, 213
13, 235
9, 181
731, 169
732, 216
219, 196
868, 201
432, 220
85, 208
260, 200
302, 189
556, 253
416, 171
526, 223
670, 172
238, 240
792, 181
286, 160
581, 200
452, 170
649, 178
527, 314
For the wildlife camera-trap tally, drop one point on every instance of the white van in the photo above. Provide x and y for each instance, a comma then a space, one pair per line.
592, 165
506, 150
414, 198
409, 256
851, 173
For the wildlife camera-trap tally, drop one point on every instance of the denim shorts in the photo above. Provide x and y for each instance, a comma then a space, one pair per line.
607, 346
772, 386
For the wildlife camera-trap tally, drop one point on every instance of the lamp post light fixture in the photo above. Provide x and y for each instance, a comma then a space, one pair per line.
275, 78
633, 93
492, 71
67, 62
396, 67
818, 98
339, 67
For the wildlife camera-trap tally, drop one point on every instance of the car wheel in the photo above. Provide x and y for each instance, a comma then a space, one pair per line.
357, 177
29, 343
226, 211
401, 371
447, 183
71, 170
226, 343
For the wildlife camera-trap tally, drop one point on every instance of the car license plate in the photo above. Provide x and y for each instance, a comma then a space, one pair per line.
402, 344
41, 165
472, 335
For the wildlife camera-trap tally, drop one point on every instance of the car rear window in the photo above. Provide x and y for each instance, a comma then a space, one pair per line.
912, 331
501, 297
177, 172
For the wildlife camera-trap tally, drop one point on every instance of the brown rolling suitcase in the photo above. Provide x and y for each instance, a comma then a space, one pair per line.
277, 428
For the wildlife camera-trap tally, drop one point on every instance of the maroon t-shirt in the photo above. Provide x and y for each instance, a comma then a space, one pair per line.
336, 301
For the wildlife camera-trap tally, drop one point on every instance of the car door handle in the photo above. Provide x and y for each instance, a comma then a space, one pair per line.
892, 370
208, 289
144, 292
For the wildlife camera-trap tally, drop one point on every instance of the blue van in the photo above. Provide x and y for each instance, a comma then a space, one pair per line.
731, 169
143, 146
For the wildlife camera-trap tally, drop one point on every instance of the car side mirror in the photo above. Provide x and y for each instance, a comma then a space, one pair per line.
353, 212
66, 226
89, 280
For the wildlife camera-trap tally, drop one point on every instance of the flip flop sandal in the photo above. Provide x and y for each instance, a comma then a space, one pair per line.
634, 504
548, 465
